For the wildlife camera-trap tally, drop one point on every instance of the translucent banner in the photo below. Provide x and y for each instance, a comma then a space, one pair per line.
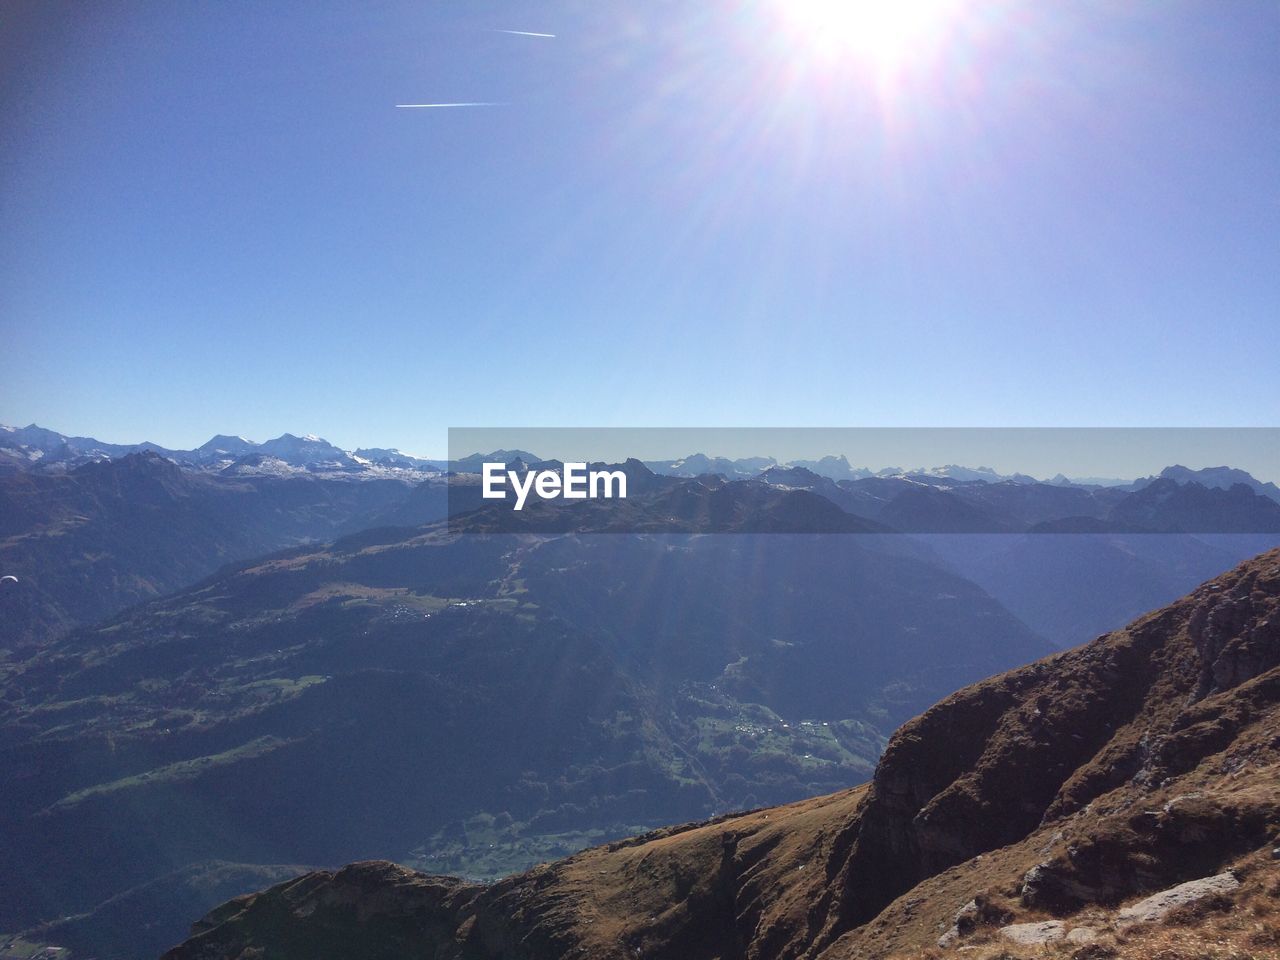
864, 480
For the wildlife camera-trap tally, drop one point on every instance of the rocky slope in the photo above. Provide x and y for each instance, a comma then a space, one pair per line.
1017, 815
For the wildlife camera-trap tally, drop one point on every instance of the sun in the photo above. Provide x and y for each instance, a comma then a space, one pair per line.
884, 35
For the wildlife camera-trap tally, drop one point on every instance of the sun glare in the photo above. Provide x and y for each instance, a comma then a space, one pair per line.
885, 35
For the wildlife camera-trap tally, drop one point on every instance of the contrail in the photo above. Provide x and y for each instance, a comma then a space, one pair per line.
525, 33
430, 106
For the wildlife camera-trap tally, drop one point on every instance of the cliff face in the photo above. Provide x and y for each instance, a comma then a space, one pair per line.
1142, 759
1052, 793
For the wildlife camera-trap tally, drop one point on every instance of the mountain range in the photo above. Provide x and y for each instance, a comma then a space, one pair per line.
37, 448
1118, 800
89, 540
898, 504
210, 674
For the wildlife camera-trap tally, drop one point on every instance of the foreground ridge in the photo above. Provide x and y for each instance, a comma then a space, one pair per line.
1025, 810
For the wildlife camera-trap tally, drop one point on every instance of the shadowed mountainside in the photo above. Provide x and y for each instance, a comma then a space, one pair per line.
87, 543
334, 703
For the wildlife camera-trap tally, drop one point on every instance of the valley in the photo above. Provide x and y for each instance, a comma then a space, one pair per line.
357, 679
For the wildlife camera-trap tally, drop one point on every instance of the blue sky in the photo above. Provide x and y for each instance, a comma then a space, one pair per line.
213, 218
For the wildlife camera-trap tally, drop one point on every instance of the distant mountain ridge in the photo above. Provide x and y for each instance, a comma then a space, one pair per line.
1222, 478
915, 504
830, 467
36, 448
86, 525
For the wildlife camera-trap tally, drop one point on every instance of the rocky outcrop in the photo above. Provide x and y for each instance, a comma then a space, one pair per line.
1236, 633
1158, 906
1046, 931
